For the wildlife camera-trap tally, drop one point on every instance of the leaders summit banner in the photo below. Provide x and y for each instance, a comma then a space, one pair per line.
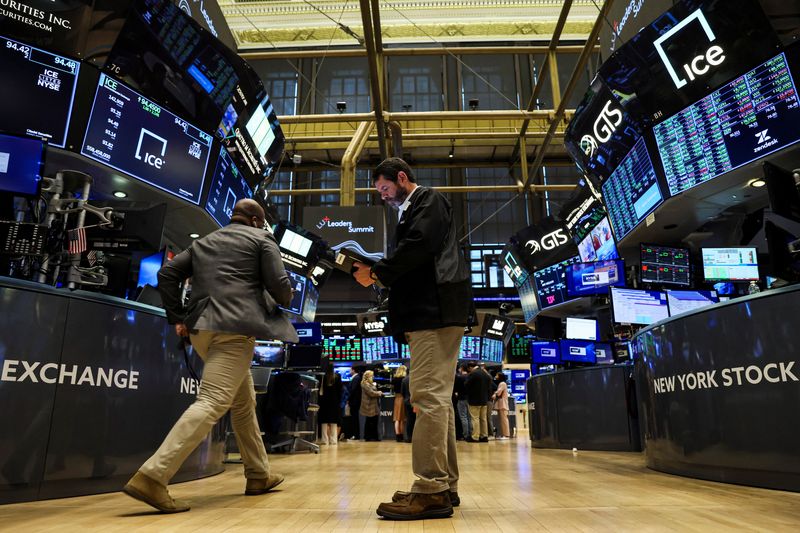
361, 229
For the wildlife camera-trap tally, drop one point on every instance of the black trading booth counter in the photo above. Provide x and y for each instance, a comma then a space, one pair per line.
89, 387
719, 393
590, 408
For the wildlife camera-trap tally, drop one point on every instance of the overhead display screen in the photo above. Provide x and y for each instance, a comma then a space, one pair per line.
299, 284
632, 191
664, 265
492, 351
546, 352
752, 116
36, 92
633, 306
134, 135
730, 264
685, 301
527, 299
584, 279
551, 283
21, 162
379, 348
599, 244
338, 348
577, 351
228, 186
470, 348
582, 328
519, 349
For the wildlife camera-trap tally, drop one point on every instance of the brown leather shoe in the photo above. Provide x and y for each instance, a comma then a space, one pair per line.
417, 506
153, 493
260, 486
455, 501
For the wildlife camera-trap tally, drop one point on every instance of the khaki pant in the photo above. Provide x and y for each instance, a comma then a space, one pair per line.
478, 415
434, 356
502, 417
226, 384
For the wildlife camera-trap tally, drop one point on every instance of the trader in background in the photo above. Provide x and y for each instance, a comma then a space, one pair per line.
430, 302
238, 281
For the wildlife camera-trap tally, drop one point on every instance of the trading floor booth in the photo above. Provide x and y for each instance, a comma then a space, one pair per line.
90, 385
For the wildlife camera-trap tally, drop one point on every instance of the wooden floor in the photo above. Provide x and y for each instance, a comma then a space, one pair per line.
505, 486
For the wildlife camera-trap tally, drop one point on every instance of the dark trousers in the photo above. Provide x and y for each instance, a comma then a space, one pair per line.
355, 426
371, 428
411, 418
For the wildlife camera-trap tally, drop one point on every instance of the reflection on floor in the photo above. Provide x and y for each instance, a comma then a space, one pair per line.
505, 486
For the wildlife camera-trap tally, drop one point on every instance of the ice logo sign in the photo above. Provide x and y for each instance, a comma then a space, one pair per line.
548, 242
700, 64
151, 159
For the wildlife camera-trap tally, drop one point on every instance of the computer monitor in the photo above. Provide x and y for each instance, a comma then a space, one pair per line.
546, 352
582, 328
21, 164
519, 349
549, 327
585, 279
228, 186
270, 354
309, 332
148, 269
577, 351
730, 264
784, 193
599, 244
342, 348
603, 353
299, 283
551, 283
665, 265
685, 301
346, 372
376, 349
492, 351
303, 357
633, 306
310, 303
470, 348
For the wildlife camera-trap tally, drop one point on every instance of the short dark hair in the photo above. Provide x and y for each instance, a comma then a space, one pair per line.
390, 168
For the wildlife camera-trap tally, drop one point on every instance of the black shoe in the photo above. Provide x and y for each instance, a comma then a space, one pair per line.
470, 439
484, 439
398, 438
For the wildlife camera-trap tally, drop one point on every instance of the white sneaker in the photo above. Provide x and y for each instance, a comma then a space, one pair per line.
334, 442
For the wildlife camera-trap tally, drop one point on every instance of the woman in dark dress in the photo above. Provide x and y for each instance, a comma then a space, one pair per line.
399, 414
330, 411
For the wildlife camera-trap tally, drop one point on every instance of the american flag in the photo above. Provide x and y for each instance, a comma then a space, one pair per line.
76, 241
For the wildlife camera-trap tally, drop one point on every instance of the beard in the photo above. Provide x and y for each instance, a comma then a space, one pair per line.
400, 197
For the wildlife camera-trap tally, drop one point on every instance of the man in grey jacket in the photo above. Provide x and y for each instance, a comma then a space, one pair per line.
238, 280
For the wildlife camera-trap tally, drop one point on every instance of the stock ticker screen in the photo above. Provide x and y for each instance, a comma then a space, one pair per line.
665, 265
36, 92
752, 116
632, 192
379, 348
227, 187
491, 350
470, 348
339, 348
134, 135
551, 283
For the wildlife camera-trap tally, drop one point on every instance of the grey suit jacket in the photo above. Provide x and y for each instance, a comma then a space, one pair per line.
238, 280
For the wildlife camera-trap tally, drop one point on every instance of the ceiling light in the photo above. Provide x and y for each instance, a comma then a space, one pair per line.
120, 194
194, 235
758, 182
452, 153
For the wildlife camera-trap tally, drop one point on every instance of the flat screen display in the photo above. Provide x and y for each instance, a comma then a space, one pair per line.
599, 244
519, 381
269, 354
309, 332
519, 349
730, 264
379, 348
685, 301
664, 265
134, 135
310, 303
551, 283
576, 351
303, 356
228, 186
632, 306
632, 192
37, 91
299, 285
492, 351
346, 372
148, 269
546, 352
342, 348
582, 328
470, 348
21, 162
603, 354
527, 299
752, 116
584, 279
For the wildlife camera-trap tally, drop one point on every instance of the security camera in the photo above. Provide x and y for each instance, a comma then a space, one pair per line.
341, 107
473, 103
297, 159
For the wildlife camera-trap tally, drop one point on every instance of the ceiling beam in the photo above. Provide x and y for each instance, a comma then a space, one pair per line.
371, 42
405, 51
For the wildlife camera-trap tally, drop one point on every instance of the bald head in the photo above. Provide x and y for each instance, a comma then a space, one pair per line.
249, 213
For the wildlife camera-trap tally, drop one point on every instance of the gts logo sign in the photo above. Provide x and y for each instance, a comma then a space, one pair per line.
548, 242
